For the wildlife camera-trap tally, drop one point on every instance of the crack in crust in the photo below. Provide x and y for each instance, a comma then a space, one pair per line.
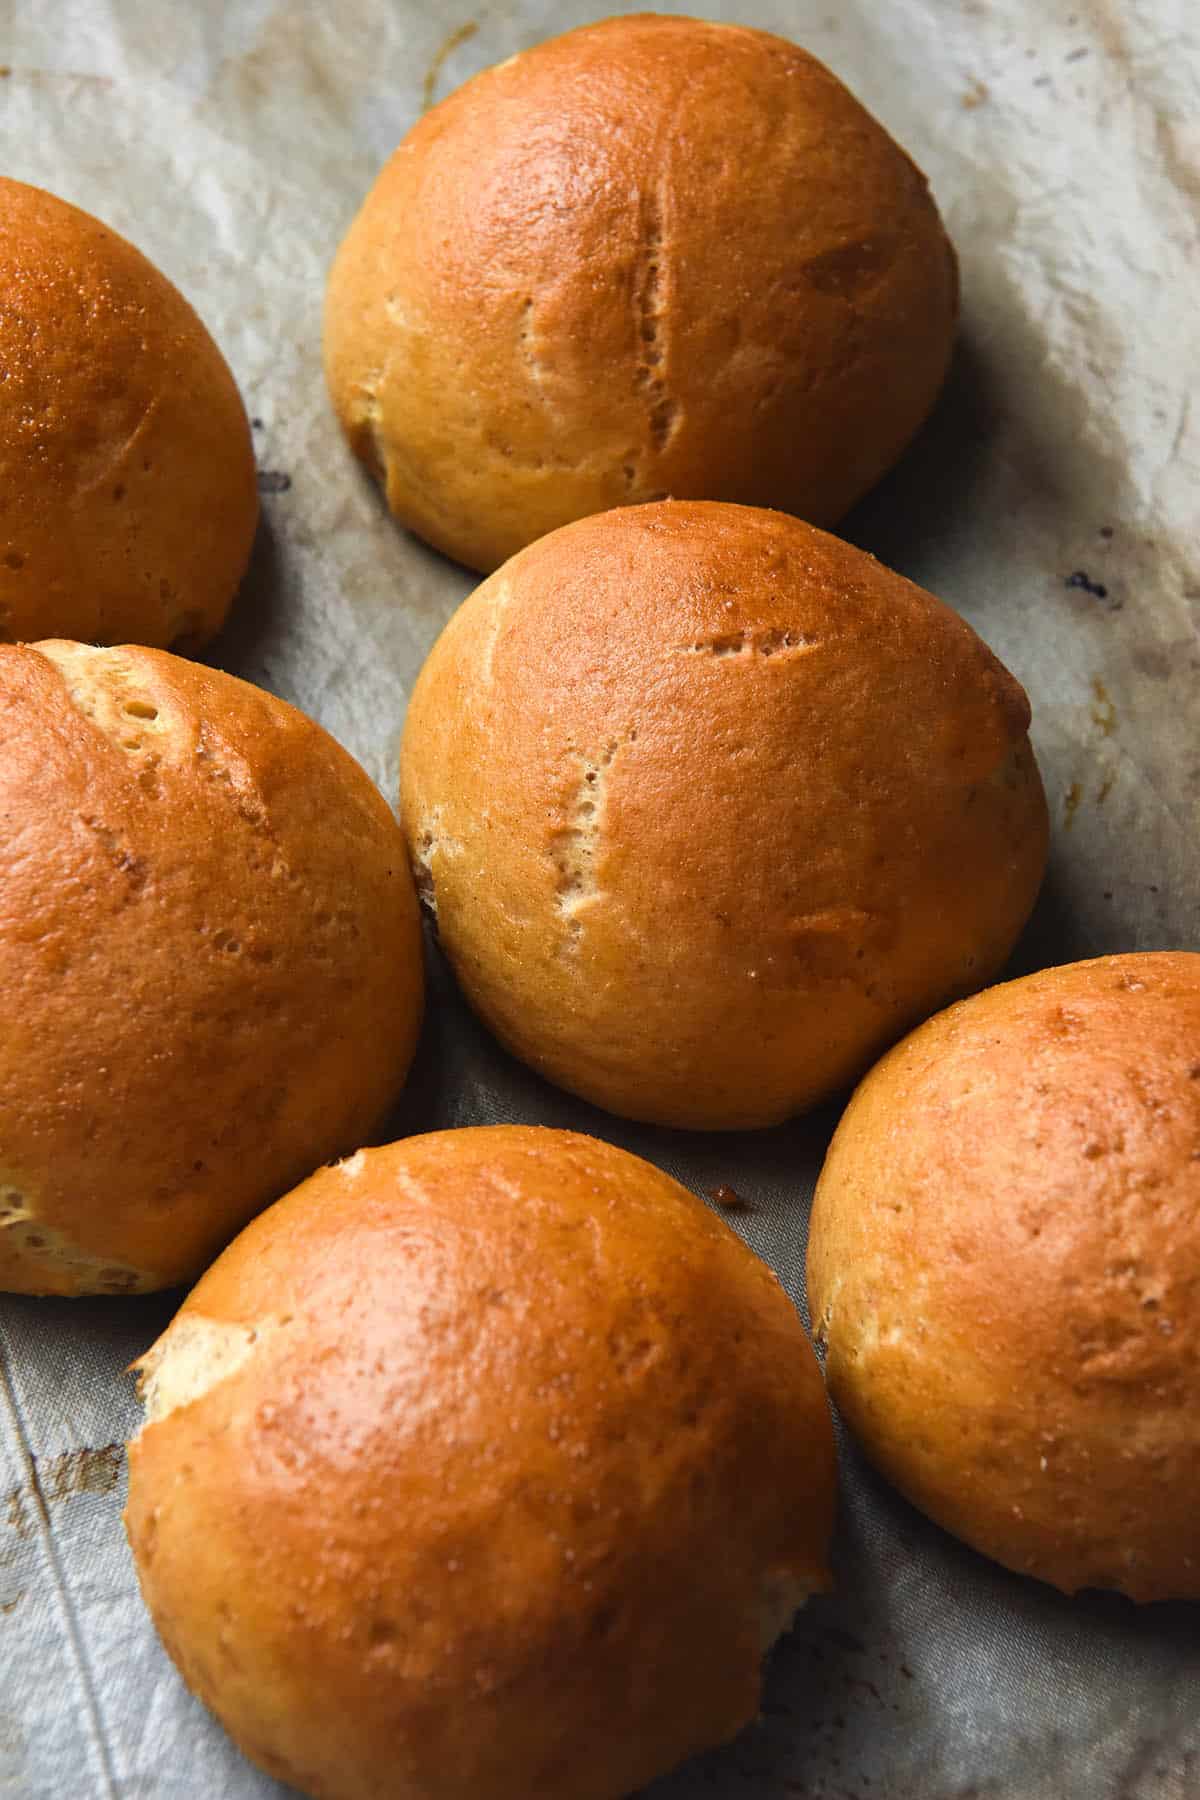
501, 595
431, 841
193, 1356
771, 640
575, 846
103, 687
528, 347
650, 304
109, 690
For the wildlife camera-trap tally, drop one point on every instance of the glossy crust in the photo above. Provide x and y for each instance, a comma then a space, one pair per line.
654, 256
515, 1443
712, 807
1004, 1262
210, 962
128, 499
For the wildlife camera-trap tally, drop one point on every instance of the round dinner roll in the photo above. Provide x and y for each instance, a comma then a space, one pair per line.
128, 498
654, 256
1004, 1266
712, 807
485, 1466
210, 962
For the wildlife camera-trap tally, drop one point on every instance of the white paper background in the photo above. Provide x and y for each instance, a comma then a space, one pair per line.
233, 143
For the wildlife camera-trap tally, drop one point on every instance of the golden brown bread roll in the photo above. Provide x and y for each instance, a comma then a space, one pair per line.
655, 256
1004, 1263
127, 488
483, 1466
712, 807
210, 962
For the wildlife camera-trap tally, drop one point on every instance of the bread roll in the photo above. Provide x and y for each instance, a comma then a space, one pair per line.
1004, 1263
655, 256
210, 961
483, 1466
712, 807
128, 499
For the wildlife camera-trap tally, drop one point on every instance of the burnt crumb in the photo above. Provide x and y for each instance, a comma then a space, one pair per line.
273, 481
729, 1198
1079, 578
1108, 894
256, 424
1106, 531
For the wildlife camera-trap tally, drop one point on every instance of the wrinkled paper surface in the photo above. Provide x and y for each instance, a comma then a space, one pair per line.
232, 144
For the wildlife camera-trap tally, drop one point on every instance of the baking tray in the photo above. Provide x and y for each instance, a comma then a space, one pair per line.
1052, 499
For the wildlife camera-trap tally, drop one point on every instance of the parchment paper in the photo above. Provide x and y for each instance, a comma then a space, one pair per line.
1053, 500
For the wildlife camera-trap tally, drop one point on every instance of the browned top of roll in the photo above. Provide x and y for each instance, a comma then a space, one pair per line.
209, 955
127, 487
1005, 1262
505, 1458
712, 807
652, 256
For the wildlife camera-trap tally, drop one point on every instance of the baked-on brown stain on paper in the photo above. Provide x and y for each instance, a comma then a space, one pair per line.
80, 1472
57, 1478
462, 35
16, 1514
1104, 713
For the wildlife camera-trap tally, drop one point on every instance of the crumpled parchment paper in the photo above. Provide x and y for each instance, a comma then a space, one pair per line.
1053, 500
